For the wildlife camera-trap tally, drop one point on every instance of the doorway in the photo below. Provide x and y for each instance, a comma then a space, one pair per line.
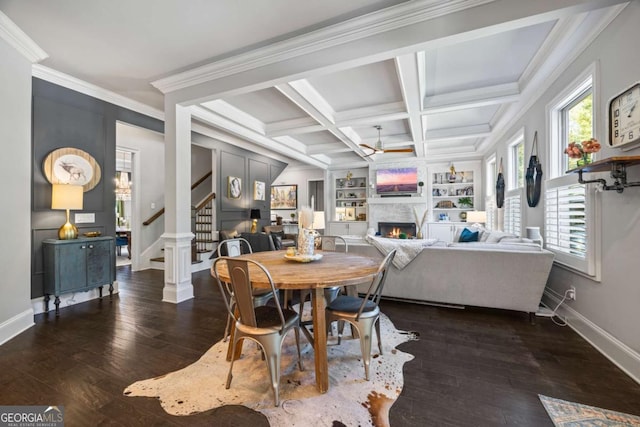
123, 208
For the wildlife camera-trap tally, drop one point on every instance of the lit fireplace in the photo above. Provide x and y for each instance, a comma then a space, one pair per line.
394, 229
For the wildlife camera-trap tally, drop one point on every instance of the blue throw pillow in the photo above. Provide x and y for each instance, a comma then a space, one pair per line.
468, 236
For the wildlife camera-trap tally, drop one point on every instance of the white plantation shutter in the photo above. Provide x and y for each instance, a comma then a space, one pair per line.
512, 213
569, 218
566, 228
490, 209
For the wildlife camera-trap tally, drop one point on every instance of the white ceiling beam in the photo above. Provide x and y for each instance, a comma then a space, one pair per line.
227, 110
466, 132
371, 114
407, 27
327, 148
409, 80
309, 100
293, 127
252, 137
472, 98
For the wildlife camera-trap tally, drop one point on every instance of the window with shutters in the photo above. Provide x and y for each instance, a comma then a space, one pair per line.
571, 215
513, 212
490, 193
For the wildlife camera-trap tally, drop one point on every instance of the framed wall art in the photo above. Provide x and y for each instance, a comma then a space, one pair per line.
284, 197
258, 190
72, 166
234, 187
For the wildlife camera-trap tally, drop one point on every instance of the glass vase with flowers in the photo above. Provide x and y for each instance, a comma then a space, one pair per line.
580, 152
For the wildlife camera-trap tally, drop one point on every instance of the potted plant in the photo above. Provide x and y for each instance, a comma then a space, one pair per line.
293, 216
465, 202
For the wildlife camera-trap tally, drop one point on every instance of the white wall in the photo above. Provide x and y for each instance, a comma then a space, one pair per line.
148, 185
608, 312
16, 314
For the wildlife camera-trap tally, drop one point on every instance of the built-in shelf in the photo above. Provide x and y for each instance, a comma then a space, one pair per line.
618, 168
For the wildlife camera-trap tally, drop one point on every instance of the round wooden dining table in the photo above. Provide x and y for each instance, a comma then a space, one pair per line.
333, 269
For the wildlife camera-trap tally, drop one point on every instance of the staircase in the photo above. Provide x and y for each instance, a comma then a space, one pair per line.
202, 227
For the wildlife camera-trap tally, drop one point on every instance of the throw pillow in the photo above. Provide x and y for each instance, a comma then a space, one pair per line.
468, 236
277, 241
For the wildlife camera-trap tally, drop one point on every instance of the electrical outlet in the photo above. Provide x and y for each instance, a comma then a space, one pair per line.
571, 293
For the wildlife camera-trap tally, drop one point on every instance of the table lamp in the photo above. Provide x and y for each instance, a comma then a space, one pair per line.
476, 217
67, 196
255, 216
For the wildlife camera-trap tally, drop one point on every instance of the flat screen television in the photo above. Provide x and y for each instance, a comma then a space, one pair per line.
397, 181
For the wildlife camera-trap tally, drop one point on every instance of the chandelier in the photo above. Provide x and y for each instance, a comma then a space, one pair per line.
123, 186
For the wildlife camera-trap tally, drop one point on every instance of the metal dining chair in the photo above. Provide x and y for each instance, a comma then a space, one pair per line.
362, 312
235, 247
265, 325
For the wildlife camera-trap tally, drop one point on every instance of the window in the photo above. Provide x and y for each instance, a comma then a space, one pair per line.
516, 162
571, 215
512, 212
490, 192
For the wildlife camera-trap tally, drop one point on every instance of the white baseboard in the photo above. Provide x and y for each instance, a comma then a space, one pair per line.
67, 300
17, 324
613, 349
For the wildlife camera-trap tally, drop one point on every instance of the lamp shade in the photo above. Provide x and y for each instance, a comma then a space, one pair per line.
66, 196
318, 220
479, 217
255, 214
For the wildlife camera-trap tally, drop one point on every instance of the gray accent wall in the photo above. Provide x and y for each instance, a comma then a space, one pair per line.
66, 118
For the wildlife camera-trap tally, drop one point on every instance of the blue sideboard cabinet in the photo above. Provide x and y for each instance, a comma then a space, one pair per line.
77, 265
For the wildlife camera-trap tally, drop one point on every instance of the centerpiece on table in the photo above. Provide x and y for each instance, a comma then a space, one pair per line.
582, 151
306, 235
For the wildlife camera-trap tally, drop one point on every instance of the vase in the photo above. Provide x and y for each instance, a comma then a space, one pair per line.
584, 160
306, 242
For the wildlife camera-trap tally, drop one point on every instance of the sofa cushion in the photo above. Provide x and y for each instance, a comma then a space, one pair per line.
468, 236
482, 232
497, 236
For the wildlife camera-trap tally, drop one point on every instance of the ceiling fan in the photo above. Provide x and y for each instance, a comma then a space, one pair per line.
379, 148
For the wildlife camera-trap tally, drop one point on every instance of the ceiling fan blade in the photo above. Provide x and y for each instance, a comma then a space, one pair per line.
399, 150
369, 147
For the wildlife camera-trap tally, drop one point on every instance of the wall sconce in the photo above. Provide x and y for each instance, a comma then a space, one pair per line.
67, 196
255, 216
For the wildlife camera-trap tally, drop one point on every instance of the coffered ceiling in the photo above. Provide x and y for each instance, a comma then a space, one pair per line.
311, 80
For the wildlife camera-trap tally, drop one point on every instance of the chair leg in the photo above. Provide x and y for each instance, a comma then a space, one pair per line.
273, 363
377, 325
340, 330
365, 328
297, 332
227, 329
236, 341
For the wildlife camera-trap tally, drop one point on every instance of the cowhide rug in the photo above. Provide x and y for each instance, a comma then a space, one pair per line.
351, 400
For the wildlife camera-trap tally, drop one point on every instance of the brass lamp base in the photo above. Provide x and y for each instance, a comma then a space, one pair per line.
254, 225
67, 232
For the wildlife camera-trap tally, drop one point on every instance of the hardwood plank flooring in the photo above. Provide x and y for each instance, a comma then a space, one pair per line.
477, 367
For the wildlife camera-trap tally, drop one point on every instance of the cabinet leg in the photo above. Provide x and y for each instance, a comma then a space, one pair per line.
46, 302
100, 291
110, 290
57, 303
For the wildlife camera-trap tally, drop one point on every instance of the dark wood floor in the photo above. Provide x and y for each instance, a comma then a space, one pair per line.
473, 367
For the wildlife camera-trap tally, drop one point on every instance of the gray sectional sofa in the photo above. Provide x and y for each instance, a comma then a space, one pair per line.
509, 276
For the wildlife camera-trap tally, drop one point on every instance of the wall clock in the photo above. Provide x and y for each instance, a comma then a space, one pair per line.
72, 166
624, 117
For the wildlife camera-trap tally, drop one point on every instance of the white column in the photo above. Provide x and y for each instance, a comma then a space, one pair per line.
177, 197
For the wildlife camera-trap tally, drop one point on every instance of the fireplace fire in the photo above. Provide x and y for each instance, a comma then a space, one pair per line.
393, 229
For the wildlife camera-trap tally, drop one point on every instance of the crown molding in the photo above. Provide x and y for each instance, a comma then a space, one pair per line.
20, 41
388, 19
65, 80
